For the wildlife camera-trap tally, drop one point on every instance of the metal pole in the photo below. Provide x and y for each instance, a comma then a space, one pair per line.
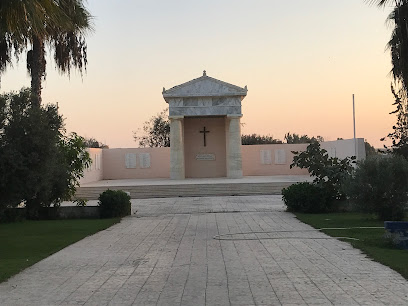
354, 127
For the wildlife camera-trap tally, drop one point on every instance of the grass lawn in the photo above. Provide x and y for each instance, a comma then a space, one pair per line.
370, 241
22, 244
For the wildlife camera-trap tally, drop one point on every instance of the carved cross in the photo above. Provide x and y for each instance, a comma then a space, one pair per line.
204, 132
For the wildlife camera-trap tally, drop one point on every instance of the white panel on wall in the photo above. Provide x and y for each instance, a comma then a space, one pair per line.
144, 160
266, 158
130, 160
280, 157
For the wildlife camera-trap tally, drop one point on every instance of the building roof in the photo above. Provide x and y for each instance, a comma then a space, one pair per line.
204, 86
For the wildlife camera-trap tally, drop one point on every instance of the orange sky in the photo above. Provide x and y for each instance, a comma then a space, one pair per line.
301, 62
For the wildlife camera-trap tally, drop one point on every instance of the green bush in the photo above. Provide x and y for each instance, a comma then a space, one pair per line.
307, 198
328, 173
114, 203
380, 185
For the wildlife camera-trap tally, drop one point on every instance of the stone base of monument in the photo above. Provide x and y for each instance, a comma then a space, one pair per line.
397, 231
187, 190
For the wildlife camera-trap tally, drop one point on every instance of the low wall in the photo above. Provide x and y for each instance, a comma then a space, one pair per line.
257, 160
94, 172
63, 212
345, 147
136, 163
271, 159
78, 212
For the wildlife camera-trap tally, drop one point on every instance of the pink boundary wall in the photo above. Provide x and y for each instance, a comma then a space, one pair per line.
109, 164
94, 172
115, 169
251, 160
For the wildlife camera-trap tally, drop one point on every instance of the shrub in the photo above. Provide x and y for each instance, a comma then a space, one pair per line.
114, 203
380, 185
307, 198
328, 172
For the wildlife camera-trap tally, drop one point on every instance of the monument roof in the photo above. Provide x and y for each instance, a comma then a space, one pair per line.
204, 86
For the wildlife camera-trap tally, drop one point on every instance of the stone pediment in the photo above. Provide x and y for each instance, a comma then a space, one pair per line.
204, 86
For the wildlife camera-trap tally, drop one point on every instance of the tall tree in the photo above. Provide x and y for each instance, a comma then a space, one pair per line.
39, 163
255, 139
33, 24
398, 43
19, 20
297, 138
398, 46
156, 131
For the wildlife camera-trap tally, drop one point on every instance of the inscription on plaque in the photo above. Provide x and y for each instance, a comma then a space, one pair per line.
208, 156
130, 160
280, 157
144, 160
266, 158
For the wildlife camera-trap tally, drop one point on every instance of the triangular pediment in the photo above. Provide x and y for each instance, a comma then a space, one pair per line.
204, 86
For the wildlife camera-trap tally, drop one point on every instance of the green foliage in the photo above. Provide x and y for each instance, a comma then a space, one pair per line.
39, 164
34, 24
328, 172
296, 138
156, 131
369, 149
380, 185
255, 139
114, 203
399, 135
307, 198
398, 46
93, 143
72, 160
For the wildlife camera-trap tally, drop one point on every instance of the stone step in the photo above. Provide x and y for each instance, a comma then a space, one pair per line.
187, 190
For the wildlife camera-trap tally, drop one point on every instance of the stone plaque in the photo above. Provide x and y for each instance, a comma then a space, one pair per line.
280, 157
266, 158
208, 156
130, 160
144, 160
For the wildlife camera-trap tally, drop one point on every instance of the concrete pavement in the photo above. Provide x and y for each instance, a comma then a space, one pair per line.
166, 254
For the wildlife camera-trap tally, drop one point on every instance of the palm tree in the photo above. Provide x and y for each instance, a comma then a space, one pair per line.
17, 19
398, 44
32, 24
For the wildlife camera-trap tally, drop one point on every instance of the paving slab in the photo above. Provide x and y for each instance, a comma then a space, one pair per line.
207, 251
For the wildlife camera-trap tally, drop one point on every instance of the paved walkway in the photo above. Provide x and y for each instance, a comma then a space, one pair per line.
166, 254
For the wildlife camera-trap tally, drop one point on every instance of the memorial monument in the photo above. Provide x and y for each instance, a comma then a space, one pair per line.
205, 129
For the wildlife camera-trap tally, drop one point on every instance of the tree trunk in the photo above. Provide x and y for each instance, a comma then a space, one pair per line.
37, 69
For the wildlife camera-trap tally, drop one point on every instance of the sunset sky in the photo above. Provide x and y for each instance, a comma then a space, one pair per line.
301, 60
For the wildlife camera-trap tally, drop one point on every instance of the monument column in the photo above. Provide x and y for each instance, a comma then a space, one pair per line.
177, 171
234, 156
